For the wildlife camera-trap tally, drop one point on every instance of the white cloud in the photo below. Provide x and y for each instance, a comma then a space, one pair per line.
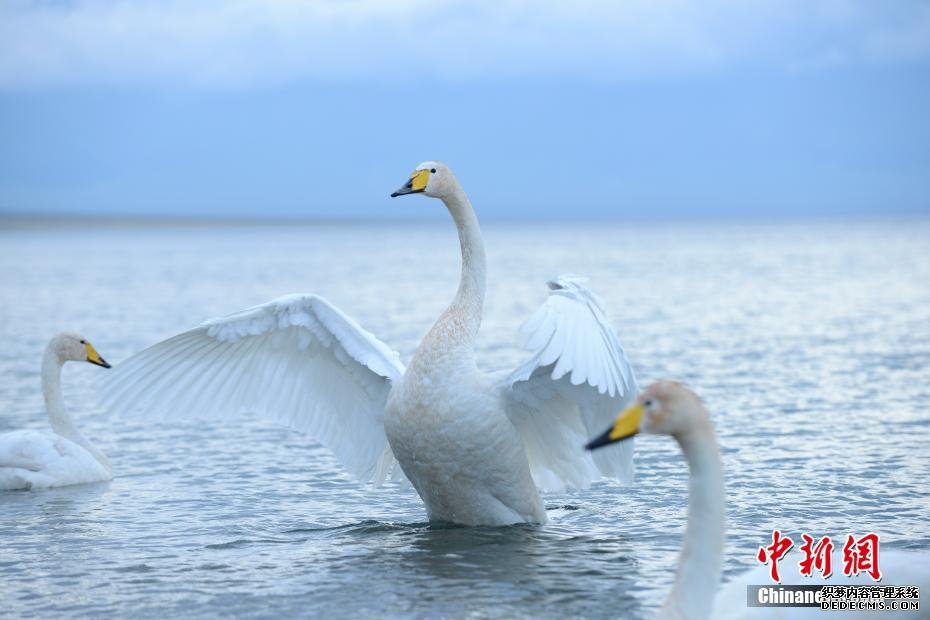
244, 42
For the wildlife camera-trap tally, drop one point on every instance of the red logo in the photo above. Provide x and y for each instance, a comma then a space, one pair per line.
819, 556
774, 552
860, 555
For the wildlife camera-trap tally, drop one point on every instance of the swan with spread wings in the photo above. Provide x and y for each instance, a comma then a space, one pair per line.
477, 448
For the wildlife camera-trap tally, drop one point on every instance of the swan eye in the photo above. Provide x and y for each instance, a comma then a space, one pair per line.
648, 403
433, 170
83, 342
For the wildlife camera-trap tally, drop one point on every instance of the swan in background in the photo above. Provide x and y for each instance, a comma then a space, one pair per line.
475, 447
35, 459
669, 408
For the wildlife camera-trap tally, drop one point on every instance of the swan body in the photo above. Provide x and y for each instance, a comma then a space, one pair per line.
477, 448
37, 460
669, 408
457, 446
34, 459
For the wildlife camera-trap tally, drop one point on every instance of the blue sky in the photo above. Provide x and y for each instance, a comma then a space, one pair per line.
584, 109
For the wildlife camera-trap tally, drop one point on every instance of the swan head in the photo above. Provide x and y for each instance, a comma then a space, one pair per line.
71, 347
664, 408
431, 178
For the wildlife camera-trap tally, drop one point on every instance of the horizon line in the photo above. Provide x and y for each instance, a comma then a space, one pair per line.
25, 220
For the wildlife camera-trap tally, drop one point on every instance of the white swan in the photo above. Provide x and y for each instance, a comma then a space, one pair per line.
474, 447
35, 459
669, 408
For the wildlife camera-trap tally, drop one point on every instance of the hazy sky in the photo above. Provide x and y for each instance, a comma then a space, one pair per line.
581, 109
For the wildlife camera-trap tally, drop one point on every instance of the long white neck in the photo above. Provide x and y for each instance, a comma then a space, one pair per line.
61, 421
462, 318
701, 557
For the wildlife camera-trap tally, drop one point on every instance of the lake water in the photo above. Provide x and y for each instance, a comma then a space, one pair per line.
809, 341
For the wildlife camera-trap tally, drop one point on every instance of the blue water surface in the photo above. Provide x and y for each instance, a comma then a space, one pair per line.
809, 341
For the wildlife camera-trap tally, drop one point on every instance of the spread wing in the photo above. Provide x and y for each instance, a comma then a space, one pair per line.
573, 386
297, 360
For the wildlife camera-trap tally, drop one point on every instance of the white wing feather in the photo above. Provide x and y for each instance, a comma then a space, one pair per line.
573, 386
297, 360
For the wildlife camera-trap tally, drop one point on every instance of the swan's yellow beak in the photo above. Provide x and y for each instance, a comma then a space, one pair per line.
416, 184
626, 425
93, 357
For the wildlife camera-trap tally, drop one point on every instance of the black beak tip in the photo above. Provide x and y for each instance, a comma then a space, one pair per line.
105, 364
395, 194
601, 440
